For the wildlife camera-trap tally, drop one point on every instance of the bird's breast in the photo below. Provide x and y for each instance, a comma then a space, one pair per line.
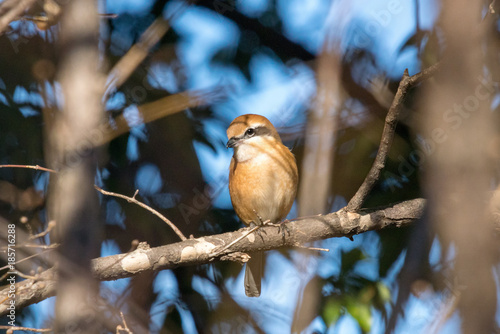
265, 184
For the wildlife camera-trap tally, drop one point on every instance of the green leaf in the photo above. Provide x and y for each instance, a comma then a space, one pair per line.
332, 310
361, 312
384, 293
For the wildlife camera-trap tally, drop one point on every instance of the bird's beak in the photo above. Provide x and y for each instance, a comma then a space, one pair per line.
232, 142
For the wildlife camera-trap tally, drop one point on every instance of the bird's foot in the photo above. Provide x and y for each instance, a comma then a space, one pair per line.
260, 220
260, 224
282, 228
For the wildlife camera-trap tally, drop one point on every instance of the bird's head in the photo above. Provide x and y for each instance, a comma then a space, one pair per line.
250, 128
251, 135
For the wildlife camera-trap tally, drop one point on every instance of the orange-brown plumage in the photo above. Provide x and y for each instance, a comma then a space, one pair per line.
263, 177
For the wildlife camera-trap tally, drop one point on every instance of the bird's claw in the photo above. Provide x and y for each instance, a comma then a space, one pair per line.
260, 223
260, 232
282, 227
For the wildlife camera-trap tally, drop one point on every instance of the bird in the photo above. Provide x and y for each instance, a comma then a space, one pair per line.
263, 179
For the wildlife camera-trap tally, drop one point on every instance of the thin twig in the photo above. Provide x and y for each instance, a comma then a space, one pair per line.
313, 248
20, 274
49, 228
51, 246
445, 313
11, 329
27, 258
29, 167
119, 328
142, 205
491, 7
4, 276
26, 245
391, 121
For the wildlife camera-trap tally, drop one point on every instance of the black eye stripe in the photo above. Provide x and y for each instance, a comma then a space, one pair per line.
257, 131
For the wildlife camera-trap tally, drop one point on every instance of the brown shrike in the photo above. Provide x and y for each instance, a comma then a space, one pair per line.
263, 180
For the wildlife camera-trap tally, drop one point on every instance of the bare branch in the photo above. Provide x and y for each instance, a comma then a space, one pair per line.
29, 257
197, 251
142, 205
36, 167
108, 193
49, 228
161, 108
11, 329
123, 328
138, 52
391, 121
491, 7
31, 291
319, 249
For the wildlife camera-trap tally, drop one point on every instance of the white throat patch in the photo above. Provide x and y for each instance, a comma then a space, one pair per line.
253, 147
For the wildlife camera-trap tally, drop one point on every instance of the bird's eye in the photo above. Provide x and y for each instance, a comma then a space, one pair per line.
250, 132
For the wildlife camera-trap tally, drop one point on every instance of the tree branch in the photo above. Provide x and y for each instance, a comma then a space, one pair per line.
11, 10
268, 36
11, 329
197, 251
139, 51
391, 121
144, 206
36, 167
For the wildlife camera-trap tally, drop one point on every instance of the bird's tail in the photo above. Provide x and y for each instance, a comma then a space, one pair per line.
253, 274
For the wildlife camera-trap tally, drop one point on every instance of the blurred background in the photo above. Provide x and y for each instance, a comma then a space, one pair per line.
324, 73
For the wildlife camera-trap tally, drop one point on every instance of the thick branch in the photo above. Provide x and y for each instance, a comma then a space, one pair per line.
197, 251
30, 291
391, 121
139, 51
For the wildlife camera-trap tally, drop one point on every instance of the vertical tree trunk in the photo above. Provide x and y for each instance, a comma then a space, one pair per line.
322, 124
459, 128
74, 202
